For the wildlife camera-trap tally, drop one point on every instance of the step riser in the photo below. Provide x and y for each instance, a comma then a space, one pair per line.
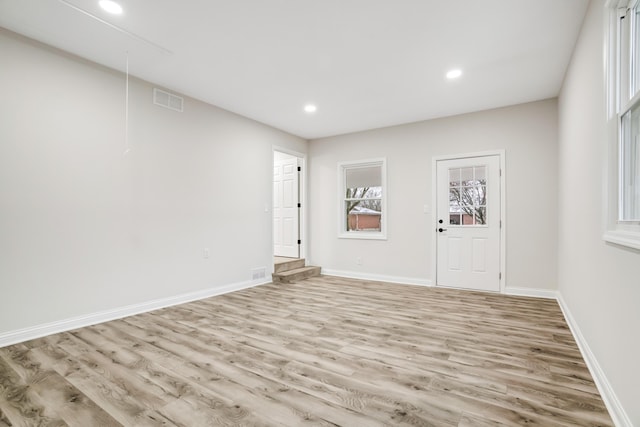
308, 272
289, 265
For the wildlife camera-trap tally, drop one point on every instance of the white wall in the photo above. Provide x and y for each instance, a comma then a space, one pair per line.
599, 282
527, 132
84, 228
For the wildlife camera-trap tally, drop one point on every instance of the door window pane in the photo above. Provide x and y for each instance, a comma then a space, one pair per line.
454, 176
468, 196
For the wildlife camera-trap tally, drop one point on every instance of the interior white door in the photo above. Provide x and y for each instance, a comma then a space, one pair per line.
285, 207
468, 223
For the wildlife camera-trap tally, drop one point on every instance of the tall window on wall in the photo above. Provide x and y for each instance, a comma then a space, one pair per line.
624, 123
362, 188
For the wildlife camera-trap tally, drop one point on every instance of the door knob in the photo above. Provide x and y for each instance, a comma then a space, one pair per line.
442, 229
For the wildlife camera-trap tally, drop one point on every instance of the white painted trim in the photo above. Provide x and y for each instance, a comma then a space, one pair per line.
377, 277
531, 292
38, 331
623, 238
503, 210
616, 411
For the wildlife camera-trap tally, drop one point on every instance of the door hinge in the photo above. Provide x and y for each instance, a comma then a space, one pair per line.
500, 172
299, 168
500, 276
500, 223
299, 205
299, 242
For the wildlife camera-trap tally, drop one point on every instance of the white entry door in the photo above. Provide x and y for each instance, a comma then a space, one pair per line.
468, 223
285, 206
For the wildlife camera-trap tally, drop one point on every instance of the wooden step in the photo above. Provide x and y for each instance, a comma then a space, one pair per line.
285, 264
295, 274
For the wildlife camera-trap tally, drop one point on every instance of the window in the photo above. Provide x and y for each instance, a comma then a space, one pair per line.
362, 211
623, 224
468, 196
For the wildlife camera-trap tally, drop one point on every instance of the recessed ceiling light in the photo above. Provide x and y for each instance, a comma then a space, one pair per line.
111, 7
454, 74
310, 108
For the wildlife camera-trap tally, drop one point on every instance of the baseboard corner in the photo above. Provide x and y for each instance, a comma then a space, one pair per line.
611, 401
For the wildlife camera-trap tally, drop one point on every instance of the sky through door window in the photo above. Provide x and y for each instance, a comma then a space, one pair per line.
362, 212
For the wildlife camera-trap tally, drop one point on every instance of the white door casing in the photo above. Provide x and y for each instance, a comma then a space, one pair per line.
285, 207
468, 222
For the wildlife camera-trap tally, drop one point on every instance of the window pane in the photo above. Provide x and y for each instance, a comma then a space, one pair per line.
454, 177
466, 175
360, 177
363, 182
635, 59
364, 193
364, 215
481, 216
625, 65
467, 195
630, 162
454, 219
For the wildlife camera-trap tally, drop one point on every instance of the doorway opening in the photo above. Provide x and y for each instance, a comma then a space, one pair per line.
288, 210
469, 226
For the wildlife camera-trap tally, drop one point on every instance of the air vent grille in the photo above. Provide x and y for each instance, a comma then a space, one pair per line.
167, 100
258, 273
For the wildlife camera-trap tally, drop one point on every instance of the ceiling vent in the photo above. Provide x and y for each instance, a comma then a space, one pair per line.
167, 100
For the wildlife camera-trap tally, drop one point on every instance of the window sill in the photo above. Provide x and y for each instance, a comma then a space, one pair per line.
629, 239
363, 235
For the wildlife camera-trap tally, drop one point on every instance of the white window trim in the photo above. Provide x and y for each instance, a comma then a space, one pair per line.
624, 233
366, 235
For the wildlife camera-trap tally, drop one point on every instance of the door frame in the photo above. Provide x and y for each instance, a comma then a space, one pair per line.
434, 211
302, 197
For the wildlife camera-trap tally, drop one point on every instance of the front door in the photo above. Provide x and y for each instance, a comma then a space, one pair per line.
468, 223
285, 206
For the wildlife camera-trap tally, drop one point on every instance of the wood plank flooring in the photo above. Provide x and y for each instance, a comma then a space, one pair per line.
321, 352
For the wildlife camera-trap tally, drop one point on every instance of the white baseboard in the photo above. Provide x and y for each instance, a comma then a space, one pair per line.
531, 292
616, 411
377, 277
38, 331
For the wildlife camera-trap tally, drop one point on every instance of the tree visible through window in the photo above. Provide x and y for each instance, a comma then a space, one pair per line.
468, 196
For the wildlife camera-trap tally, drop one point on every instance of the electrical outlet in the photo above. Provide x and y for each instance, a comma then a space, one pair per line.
206, 253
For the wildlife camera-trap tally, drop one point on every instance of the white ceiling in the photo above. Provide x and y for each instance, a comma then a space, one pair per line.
364, 63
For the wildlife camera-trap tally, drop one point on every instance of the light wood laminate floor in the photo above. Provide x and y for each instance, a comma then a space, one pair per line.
324, 351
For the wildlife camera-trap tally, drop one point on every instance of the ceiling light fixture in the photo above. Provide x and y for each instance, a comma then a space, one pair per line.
454, 74
310, 108
111, 7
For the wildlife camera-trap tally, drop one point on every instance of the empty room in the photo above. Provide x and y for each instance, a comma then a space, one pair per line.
288, 213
